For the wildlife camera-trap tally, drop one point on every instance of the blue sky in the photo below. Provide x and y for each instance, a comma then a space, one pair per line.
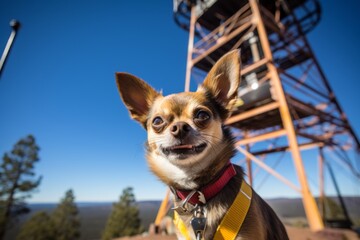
58, 84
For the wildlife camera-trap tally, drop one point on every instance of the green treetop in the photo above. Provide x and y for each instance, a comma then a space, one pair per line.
66, 219
124, 218
39, 227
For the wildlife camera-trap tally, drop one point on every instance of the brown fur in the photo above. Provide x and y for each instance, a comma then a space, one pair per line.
188, 144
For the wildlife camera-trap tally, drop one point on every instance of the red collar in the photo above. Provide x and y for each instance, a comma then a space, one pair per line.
210, 190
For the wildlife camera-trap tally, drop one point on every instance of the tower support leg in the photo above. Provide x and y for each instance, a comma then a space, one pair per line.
190, 48
248, 163
311, 209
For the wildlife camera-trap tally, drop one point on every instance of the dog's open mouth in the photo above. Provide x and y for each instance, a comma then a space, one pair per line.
184, 150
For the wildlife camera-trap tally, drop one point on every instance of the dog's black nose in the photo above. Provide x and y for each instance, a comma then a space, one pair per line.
180, 129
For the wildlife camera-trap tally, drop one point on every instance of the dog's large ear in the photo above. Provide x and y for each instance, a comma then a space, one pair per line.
137, 95
223, 79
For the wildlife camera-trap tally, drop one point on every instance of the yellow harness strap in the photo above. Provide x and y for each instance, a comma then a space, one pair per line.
180, 225
233, 219
235, 216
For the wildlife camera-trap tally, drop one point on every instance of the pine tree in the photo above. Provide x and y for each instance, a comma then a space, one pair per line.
124, 218
39, 227
66, 219
17, 181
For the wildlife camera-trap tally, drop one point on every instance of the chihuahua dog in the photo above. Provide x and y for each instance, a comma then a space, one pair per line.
189, 148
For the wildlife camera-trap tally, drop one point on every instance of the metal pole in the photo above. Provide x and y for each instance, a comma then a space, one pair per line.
341, 200
248, 163
15, 25
321, 184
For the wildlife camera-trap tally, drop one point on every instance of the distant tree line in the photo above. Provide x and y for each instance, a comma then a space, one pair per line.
64, 224
18, 181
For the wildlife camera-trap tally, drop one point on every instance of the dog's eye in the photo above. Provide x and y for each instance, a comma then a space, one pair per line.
202, 115
157, 121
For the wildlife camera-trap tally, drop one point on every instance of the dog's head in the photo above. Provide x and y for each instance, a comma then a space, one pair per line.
186, 136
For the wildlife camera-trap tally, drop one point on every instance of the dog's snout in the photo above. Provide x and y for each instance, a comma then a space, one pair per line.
180, 129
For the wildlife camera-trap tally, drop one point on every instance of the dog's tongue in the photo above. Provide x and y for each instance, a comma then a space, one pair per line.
187, 146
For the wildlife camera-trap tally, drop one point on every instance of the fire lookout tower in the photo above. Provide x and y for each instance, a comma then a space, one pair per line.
286, 104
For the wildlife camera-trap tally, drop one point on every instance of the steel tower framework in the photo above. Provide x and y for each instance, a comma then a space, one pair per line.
285, 101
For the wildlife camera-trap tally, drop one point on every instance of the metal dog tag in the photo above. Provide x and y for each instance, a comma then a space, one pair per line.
198, 224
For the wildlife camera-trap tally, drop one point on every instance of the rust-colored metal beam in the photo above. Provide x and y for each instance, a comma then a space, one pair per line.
224, 29
224, 40
256, 111
254, 66
268, 169
324, 139
189, 63
262, 137
163, 209
248, 164
313, 111
296, 80
302, 147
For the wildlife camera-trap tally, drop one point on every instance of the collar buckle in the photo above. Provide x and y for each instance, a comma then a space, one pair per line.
185, 207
